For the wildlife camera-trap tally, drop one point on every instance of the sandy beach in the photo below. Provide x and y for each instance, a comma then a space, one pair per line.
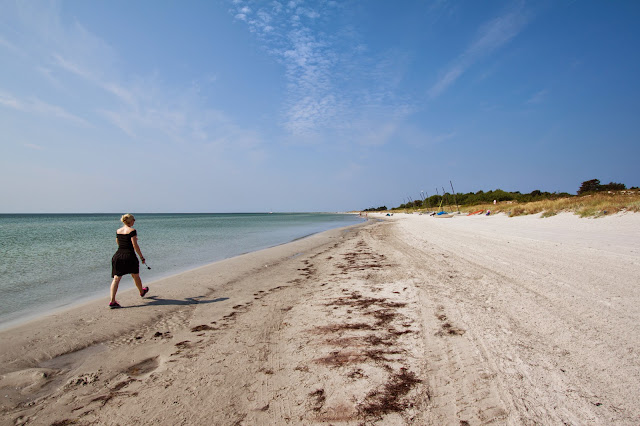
402, 320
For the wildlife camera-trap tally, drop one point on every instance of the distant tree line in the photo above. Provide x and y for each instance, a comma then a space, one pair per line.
482, 197
375, 209
594, 185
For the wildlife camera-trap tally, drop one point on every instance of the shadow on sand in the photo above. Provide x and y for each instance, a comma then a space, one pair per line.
158, 301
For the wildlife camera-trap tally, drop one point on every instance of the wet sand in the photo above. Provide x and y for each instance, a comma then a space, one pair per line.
408, 320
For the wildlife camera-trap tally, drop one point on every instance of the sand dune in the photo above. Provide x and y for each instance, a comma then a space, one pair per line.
408, 320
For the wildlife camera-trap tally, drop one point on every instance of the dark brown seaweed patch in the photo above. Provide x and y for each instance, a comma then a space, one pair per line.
319, 398
390, 398
202, 327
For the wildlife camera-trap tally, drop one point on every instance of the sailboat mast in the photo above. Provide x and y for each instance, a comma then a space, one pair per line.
454, 196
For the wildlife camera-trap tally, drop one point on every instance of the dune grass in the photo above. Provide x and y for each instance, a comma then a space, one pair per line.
591, 205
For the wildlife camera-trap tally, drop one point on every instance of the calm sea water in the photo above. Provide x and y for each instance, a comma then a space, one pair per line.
49, 261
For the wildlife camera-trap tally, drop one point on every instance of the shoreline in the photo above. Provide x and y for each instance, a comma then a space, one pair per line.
407, 320
84, 308
30, 314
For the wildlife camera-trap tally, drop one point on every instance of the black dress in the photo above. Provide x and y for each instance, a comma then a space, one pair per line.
125, 261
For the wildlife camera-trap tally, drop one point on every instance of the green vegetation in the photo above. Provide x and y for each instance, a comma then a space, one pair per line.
593, 185
376, 209
481, 197
592, 200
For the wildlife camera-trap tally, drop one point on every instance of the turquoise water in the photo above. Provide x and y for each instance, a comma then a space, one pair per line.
49, 261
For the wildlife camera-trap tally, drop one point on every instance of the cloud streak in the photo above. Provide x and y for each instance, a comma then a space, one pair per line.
538, 97
9, 46
37, 106
492, 36
148, 111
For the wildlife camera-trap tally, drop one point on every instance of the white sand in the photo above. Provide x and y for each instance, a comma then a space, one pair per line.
413, 320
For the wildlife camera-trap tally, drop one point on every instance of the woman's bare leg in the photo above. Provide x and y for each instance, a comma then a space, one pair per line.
114, 287
137, 281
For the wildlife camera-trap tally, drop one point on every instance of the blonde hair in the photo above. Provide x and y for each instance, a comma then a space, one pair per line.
127, 219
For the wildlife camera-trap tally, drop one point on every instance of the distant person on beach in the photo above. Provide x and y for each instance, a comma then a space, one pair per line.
124, 261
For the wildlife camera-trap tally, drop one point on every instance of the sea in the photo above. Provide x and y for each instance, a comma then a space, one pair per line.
50, 262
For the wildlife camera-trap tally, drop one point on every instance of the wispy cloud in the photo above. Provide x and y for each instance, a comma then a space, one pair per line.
35, 105
49, 75
94, 77
491, 36
440, 138
11, 102
426, 139
154, 113
8, 45
322, 96
447, 80
287, 31
34, 146
71, 67
68, 56
44, 108
149, 111
179, 115
538, 97
309, 66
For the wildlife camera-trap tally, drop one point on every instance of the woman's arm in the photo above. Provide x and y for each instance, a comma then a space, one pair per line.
136, 247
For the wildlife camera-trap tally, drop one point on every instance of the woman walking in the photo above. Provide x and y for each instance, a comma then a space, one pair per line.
124, 261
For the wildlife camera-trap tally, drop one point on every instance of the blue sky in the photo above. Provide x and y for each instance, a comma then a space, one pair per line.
223, 106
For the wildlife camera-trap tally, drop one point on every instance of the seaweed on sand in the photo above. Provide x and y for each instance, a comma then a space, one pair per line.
390, 398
